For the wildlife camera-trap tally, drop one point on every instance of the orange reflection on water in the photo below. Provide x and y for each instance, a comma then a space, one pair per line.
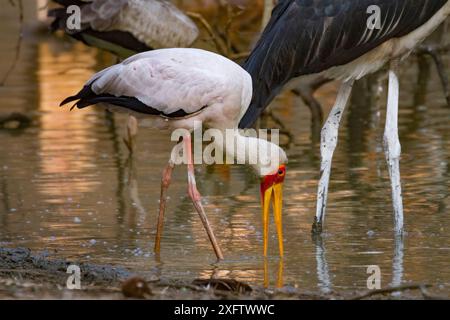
59, 75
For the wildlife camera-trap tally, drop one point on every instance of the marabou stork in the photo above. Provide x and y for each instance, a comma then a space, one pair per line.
340, 39
127, 27
176, 88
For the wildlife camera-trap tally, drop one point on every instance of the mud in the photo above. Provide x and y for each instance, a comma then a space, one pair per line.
28, 275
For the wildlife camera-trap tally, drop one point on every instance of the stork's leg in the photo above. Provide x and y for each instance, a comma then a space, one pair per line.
165, 182
392, 149
196, 197
132, 129
328, 143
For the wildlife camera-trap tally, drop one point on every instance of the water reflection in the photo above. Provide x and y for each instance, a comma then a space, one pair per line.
397, 262
279, 274
323, 273
72, 160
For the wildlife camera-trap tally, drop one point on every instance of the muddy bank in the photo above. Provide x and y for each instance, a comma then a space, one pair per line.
28, 275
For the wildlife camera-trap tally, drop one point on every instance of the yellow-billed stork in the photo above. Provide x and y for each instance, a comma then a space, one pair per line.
176, 88
346, 40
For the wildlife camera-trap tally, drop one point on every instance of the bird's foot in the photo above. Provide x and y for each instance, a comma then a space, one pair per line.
129, 144
316, 228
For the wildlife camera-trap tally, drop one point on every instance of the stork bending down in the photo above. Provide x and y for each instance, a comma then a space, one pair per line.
343, 40
176, 88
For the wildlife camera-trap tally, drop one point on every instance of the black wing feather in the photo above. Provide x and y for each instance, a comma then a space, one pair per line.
87, 97
310, 36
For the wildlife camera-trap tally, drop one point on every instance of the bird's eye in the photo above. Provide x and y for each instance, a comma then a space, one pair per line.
280, 172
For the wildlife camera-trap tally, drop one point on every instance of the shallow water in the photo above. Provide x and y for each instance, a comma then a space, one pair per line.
67, 185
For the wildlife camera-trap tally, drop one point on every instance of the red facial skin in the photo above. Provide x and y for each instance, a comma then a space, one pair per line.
273, 179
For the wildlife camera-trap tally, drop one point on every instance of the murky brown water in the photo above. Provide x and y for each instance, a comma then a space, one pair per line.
66, 183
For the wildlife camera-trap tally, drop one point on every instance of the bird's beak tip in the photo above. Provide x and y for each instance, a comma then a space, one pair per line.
273, 193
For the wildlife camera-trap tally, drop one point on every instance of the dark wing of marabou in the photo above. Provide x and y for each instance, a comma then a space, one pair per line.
310, 36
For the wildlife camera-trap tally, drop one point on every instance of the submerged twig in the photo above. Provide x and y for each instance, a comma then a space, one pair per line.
18, 44
427, 296
231, 16
400, 288
435, 53
281, 126
220, 46
241, 55
222, 39
306, 93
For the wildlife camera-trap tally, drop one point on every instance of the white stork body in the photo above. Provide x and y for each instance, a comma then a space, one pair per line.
171, 81
176, 88
334, 39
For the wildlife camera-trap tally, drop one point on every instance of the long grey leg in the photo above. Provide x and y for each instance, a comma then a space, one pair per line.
393, 149
329, 137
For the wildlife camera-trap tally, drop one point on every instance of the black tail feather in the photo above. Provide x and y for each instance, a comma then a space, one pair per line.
86, 97
60, 17
86, 94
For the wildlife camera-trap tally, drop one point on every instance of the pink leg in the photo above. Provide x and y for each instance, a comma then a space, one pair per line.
165, 182
196, 197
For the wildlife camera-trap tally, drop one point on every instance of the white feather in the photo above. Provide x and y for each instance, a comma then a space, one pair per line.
179, 79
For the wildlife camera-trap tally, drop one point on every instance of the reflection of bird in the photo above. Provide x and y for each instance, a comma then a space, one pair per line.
176, 88
127, 27
344, 40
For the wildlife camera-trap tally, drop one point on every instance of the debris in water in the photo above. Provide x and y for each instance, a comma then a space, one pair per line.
136, 288
224, 285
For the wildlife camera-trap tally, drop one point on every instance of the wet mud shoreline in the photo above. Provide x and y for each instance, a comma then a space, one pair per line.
35, 275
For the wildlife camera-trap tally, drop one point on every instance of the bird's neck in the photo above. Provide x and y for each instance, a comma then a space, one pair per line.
238, 148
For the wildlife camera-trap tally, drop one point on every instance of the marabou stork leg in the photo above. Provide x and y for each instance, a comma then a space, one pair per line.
393, 149
196, 197
132, 129
329, 137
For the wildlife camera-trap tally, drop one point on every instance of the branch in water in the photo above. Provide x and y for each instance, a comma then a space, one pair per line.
404, 287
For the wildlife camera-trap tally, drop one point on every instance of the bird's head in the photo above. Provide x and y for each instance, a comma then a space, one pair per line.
269, 162
272, 179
